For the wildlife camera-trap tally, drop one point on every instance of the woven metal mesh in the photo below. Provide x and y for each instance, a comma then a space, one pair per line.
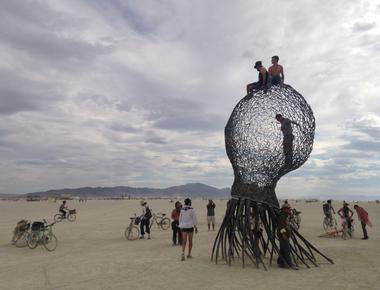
255, 142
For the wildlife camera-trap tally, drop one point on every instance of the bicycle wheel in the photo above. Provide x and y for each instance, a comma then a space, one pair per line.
165, 223
32, 240
294, 224
21, 240
325, 224
132, 233
58, 217
50, 242
71, 217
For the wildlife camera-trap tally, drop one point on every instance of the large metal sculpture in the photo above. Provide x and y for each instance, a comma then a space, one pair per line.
261, 152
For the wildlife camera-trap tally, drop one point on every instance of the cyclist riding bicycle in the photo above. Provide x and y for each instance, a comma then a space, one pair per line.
346, 214
328, 209
63, 209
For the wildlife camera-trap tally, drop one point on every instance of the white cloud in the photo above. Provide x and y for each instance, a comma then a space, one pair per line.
138, 93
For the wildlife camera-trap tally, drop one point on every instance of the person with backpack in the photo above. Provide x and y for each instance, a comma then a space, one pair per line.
145, 219
328, 209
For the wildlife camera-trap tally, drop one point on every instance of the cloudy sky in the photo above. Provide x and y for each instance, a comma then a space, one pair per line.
106, 93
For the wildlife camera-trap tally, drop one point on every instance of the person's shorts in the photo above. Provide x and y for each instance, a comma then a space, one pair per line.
211, 219
187, 230
275, 80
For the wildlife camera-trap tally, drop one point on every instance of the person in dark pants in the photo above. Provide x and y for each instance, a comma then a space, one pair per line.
175, 224
261, 84
283, 233
364, 220
145, 220
287, 143
211, 214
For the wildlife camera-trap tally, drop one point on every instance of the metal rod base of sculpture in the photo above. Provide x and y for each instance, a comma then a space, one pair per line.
249, 232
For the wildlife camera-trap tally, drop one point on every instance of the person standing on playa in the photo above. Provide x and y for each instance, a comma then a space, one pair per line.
211, 214
261, 84
188, 224
276, 72
346, 214
145, 219
363, 217
284, 232
175, 224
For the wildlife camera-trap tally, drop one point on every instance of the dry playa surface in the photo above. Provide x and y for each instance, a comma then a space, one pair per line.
93, 253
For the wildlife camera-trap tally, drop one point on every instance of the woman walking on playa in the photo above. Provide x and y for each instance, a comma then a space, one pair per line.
188, 224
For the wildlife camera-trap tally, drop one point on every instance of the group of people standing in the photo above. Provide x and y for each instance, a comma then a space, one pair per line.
346, 214
184, 224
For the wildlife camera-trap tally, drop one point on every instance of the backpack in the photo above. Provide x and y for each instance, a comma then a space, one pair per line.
325, 208
148, 213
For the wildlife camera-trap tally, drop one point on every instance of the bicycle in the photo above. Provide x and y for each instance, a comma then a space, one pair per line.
161, 221
132, 231
346, 231
42, 234
295, 219
329, 223
20, 234
70, 216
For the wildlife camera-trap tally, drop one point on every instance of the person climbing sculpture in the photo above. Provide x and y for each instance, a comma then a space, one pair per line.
287, 143
261, 84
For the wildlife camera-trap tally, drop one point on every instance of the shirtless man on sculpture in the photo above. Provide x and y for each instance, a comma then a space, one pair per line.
276, 72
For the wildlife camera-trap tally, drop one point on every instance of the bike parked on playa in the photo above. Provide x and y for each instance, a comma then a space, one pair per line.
132, 231
20, 234
295, 219
346, 231
42, 234
70, 216
161, 221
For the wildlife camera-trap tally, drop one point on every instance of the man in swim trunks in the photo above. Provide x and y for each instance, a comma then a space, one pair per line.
276, 72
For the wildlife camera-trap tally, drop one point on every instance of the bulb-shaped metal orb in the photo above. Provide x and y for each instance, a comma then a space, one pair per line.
262, 149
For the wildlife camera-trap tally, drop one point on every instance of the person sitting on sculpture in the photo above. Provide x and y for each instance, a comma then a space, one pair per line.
261, 84
276, 72
287, 143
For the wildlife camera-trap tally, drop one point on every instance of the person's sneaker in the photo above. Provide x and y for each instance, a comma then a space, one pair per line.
149, 238
189, 256
294, 268
183, 257
142, 237
365, 238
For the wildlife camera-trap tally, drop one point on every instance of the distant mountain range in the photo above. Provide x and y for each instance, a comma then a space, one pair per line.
186, 190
